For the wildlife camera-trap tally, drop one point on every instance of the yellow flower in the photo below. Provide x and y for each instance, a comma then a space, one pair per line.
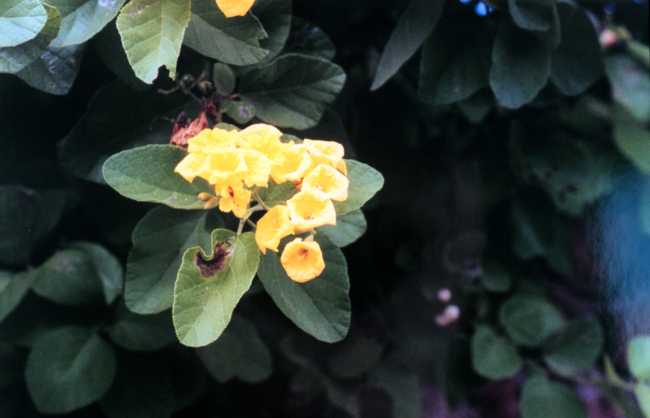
342, 167
211, 139
324, 152
193, 165
258, 168
232, 8
328, 181
296, 165
310, 209
265, 139
272, 227
302, 261
235, 199
227, 168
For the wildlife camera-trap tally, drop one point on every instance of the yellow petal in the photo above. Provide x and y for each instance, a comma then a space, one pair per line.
297, 165
310, 209
232, 8
329, 181
227, 166
265, 139
258, 168
324, 152
211, 139
193, 165
272, 227
302, 261
342, 167
236, 200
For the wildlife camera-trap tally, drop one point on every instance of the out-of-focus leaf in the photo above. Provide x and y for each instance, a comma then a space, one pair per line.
630, 84
320, 307
107, 267
141, 332
633, 140
69, 368
642, 392
55, 70
239, 352
159, 241
533, 15
402, 386
493, 356
232, 40
574, 348
577, 63
275, 16
365, 181
521, 65
414, 26
354, 356
638, 356
152, 34
307, 39
293, 90
495, 278
20, 21
146, 174
117, 119
223, 78
277, 194
529, 320
454, 64
209, 287
12, 290
349, 228
477, 106
541, 398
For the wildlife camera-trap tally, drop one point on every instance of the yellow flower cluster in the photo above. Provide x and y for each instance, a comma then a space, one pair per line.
238, 163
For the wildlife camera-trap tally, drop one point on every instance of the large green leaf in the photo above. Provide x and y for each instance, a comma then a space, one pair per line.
146, 174
69, 368
116, 119
638, 356
275, 16
277, 194
574, 348
320, 307
107, 267
529, 320
152, 34
365, 181
349, 228
239, 352
533, 15
307, 39
159, 241
494, 356
82, 19
20, 21
141, 332
209, 287
413, 27
453, 65
293, 90
14, 59
12, 289
232, 40
55, 71
521, 65
577, 63
69, 277
541, 398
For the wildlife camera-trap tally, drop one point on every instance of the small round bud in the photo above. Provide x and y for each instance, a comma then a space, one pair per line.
444, 295
205, 196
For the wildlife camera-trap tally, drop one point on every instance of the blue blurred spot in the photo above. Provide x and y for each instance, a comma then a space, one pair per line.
609, 8
481, 9
638, 1
490, 10
465, 1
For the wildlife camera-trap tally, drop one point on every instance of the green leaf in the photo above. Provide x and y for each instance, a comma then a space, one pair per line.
320, 307
541, 398
529, 320
349, 228
141, 332
633, 140
11, 364
232, 40
638, 356
521, 65
630, 84
152, 33
13, 288
241, 110
277, 194
107, 267
477, 106
146, 174
493, 356
55, 71
275, 16
117, 119
14, 59
20, 21
142, 389
577, 63
533, 15
293, 90
159, 241
69, 368
402, 386
532, 213
495, 278
308, 39
239, 352
365, 181
82, 19
68, 277
453, 65
413, 27
574, 348
642, 392
223, 78
354, 356
207, 290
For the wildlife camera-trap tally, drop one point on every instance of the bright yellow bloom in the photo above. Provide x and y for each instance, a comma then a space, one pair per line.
265, 139
310, 209
194, 165
227, 168
297, 165
324, 152
258, 168
342, 167
329, 181
211, 139
232, 8
302, 261
272, 227
235, 199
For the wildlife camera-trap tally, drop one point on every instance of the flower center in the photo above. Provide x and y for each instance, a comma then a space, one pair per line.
309, 216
